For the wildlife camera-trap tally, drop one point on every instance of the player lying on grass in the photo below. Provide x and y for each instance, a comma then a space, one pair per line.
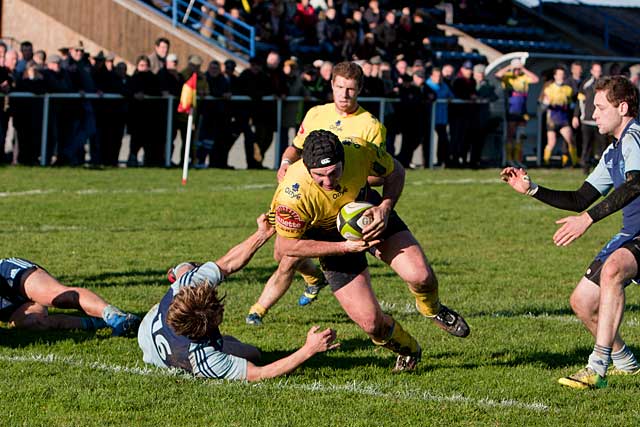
26, 290
182, 331
331, 174
599, 298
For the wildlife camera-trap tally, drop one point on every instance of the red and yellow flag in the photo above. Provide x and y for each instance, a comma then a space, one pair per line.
188, 95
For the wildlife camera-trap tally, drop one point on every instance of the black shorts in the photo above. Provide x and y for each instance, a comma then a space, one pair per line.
340, 270
593, 272
13, 274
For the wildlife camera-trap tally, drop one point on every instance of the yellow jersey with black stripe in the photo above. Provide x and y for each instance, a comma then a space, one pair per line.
516, 83
361, 124
299, 204
558, 96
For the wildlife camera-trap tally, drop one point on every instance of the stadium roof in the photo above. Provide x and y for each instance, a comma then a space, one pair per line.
607, 3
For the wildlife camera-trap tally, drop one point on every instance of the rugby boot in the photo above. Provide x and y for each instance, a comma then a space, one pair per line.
615, 371
407, 363
254, 319
450, 321
585, 378
123, 324
310, 294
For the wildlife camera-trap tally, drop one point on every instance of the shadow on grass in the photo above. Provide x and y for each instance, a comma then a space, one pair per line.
342, 358
118, 278
19, 338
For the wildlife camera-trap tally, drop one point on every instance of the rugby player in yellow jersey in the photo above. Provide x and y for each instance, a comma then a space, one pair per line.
345, 118
557, 96
305, 206
515, 80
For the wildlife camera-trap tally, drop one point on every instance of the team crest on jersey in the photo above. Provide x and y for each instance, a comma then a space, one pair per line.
336, 127
288, 218
293, 191
301, 130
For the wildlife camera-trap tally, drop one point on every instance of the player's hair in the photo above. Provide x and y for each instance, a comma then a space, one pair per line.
349, 70
619, 89
195, 311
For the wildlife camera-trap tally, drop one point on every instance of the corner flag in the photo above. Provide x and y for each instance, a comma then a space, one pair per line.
188, 95
187, 104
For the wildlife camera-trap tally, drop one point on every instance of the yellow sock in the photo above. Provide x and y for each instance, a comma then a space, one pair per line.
427, 303
399, 341
517, 152
509, 151
573, 152
258, 309
547, 155
313, 279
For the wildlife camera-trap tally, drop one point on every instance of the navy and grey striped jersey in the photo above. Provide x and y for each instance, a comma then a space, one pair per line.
162, 347
620, 157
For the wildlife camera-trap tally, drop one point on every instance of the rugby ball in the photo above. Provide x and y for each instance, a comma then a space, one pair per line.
352, 219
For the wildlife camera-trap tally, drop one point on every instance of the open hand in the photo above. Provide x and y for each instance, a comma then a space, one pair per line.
572, 228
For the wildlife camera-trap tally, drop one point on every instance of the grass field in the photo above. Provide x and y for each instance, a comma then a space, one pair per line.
117, 232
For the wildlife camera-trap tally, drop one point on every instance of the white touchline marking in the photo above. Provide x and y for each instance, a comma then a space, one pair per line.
351, 387
25, 193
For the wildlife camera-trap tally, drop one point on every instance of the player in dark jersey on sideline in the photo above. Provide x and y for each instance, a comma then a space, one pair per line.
27, 290
599, 298
182, 331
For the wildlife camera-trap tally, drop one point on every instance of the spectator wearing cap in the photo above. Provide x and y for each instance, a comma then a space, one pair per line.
158, 57
143, 116
108, 61
83, 123
515, 80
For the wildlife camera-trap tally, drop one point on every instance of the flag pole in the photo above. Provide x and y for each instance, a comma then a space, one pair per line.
187, 149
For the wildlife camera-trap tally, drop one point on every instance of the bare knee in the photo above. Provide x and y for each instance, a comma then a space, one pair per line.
582, 306
372, 325
422, 280
612, 274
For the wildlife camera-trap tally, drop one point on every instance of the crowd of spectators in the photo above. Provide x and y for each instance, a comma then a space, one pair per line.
141, 111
